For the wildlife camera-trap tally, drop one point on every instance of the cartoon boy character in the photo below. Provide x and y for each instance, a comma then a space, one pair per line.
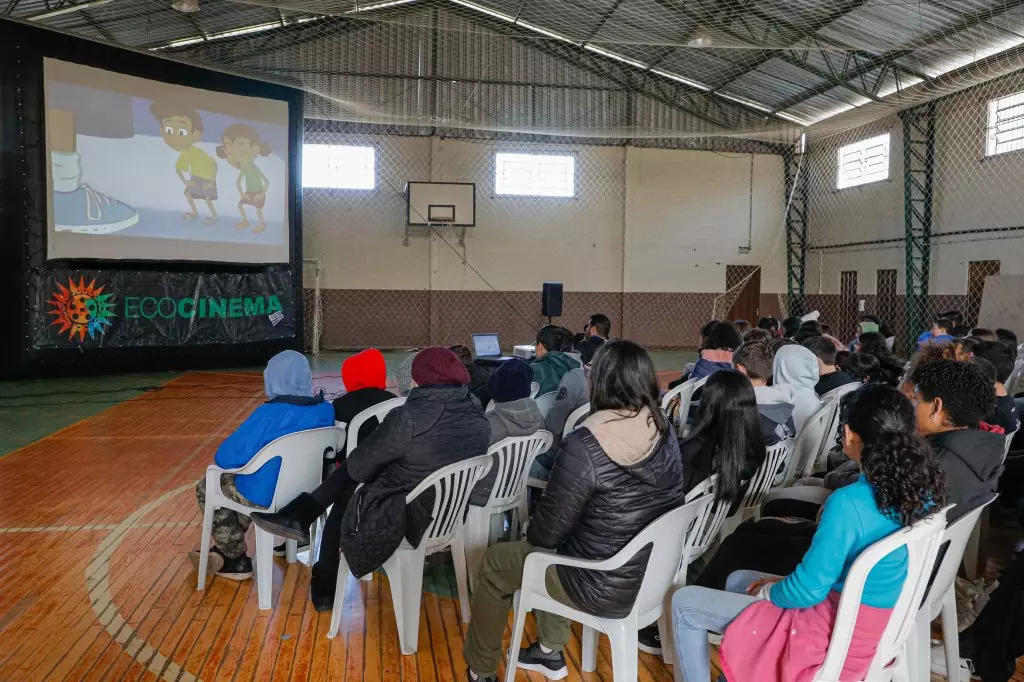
241, 146
181, 129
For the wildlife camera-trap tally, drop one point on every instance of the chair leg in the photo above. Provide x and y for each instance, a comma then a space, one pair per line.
950, 636
622, 636
668, 644
590, 637
971, 552
916, 650
291, 551
496, 528
207, 538
459, 558
521, 608
405, 576
264, 568
474, 532
339, 599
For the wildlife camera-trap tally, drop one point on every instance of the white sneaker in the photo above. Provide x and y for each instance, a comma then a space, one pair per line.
938, 665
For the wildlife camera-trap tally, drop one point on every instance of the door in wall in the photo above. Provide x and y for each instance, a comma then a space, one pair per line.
977, 271
885, 289
847, 304
747, 304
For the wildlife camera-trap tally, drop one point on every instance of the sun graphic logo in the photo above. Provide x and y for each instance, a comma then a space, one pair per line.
81, 309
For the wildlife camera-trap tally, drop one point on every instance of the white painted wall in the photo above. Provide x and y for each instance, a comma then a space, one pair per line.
970, 192
642, 220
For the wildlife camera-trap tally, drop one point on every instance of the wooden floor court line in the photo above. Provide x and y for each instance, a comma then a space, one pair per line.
95, 583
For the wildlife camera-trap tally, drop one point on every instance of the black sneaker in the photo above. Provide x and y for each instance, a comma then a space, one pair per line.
279, 550
236, 569
480, 678
551, 666
649, 640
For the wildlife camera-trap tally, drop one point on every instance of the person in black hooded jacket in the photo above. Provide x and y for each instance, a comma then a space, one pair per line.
612, 477
438, 425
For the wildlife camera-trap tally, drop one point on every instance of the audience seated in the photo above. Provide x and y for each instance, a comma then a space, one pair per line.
718, 341
552, 363
290, 407
795, 370
862, 367
573, 393
597, 330
983, 334
1001, 356
941, 333
775, 407
365, 376
479, 373
807, 330
1008, 337
890, 367
612, 477
515, 413
742, 326
790, 326
439, 424
757, 334
769, 324
901, 483
829, 376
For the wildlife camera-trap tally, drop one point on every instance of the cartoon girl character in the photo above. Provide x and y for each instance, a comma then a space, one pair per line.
241, 145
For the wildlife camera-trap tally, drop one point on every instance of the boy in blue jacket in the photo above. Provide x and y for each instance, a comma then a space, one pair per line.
290, 407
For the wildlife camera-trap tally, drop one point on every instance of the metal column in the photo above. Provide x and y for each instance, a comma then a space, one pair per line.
918, 177
796, 225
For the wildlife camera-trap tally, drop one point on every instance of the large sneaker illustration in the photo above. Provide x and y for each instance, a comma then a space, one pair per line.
90, 212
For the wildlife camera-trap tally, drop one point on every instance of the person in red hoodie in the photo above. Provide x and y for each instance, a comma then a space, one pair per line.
365, 376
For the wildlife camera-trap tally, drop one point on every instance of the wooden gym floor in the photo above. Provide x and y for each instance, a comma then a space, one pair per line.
95, 523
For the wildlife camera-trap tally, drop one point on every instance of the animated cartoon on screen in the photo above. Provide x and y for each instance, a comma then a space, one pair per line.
77, 207
241, 146
181, 128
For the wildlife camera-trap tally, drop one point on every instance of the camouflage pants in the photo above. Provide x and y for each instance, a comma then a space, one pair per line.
229, 526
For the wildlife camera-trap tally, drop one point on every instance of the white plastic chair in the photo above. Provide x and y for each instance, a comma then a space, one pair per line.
941, 599
452, 486
890, 662
1013, 382
490, 407
534, 389
546, 402
514, 457
685, 392
575, 418
668, 537
378, 412
302, 461
808, 444
764, 478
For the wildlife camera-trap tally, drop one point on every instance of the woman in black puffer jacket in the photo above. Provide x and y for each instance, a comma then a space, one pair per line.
612, 477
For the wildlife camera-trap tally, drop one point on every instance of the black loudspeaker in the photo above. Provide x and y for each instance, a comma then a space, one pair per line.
551, 300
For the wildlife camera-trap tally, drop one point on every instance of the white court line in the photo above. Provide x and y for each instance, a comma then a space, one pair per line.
94, 526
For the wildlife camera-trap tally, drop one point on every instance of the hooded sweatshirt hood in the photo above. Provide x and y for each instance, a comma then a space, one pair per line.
519, 417
365, 370
288, 374
796, 370
632, 442
564, 361
972, 461
775, 403
703, 368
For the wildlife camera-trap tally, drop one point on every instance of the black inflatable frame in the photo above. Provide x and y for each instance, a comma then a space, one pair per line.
23, 213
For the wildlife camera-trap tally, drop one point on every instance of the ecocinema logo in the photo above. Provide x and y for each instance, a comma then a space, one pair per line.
81, 309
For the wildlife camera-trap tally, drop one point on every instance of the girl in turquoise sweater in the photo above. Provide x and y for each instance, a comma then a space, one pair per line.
782, 625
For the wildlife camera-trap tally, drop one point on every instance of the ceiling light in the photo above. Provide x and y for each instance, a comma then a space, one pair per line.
187, 6
700, 38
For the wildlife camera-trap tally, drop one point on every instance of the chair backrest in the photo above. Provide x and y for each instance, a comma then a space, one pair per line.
922, 541
545, 402
302, 461
805, 447
1013, 382
957, 534
574, 419
490, 407
685, 392
378, 412
452, 486
709, 522
1006, 446
514, 456
840, 391
775, 461
828, 437
342, 435
534, 389
669, 537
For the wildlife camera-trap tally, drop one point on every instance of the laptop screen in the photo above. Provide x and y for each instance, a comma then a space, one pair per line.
486, 345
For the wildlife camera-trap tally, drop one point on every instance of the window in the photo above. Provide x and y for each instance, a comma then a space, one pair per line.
1005, 130
336, 166
535, 175
863, 162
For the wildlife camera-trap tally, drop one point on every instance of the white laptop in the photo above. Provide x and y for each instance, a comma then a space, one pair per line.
487, 347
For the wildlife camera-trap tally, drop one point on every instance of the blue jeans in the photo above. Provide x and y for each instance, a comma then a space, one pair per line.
698, 610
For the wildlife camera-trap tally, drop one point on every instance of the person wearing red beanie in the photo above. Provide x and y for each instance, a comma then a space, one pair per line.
439, 424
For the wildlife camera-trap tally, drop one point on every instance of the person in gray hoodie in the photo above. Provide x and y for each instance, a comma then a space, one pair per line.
515, 414
775, 405
573, 393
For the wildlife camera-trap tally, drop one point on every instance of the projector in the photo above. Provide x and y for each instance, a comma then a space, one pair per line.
186, 5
